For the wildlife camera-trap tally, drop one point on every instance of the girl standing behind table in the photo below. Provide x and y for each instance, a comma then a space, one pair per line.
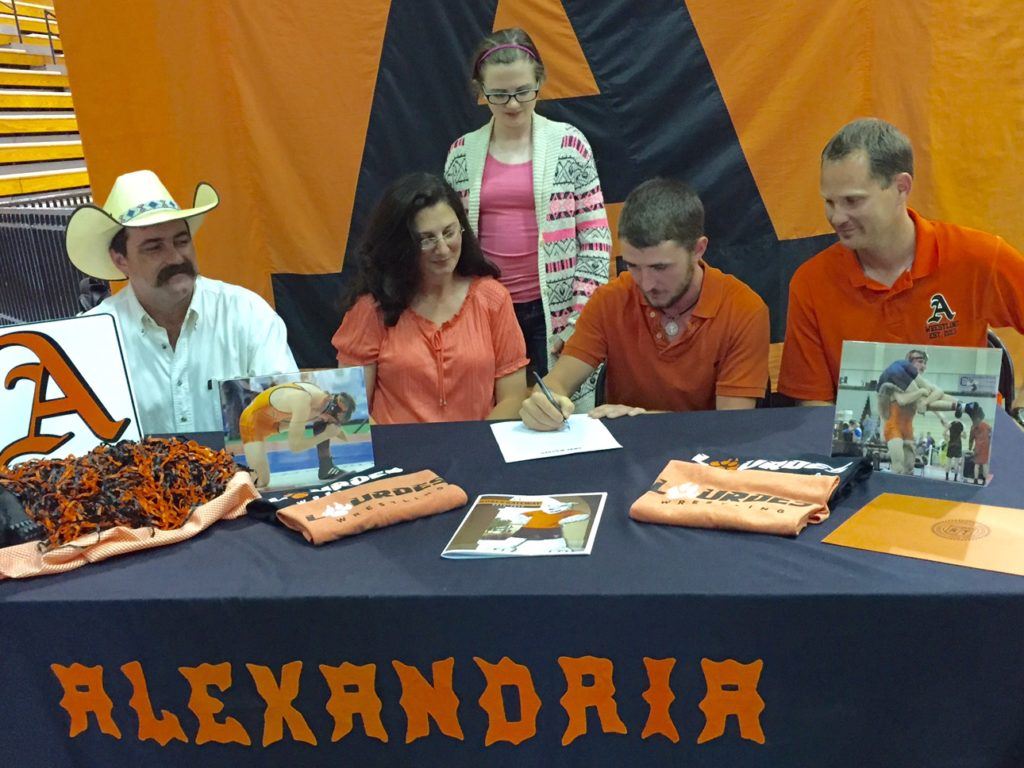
426, 317
530, 186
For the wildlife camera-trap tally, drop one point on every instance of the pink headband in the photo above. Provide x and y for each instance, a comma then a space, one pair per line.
502, 47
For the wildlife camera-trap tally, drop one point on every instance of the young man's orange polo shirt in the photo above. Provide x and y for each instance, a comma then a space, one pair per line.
722, 351
962, 281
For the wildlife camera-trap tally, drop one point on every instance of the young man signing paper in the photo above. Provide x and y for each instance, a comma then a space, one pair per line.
676, 333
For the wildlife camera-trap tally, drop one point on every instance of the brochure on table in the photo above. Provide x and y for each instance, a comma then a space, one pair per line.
64, 389
916, 409
298, 429
580, 434
500, 525
955, 532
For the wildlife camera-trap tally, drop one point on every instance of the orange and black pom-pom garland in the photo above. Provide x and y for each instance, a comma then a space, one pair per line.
153, 483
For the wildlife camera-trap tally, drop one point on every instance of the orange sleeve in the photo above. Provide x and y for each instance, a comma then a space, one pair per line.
506, 335
804, 373
359, 338
589, 342
743, 371
1004, 304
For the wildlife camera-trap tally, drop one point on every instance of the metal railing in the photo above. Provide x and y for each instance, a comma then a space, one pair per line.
14, 9
65, 198
47, 15
37, 281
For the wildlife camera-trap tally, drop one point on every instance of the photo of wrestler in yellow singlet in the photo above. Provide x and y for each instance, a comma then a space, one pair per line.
292, 430
290, 408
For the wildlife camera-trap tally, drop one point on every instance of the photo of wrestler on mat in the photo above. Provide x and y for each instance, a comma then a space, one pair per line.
297, 429
919, 410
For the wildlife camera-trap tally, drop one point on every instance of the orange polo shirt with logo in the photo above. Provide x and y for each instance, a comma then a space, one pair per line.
722, 351
961, 282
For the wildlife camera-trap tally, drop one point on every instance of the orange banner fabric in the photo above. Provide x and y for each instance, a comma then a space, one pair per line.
268, 101
950, 75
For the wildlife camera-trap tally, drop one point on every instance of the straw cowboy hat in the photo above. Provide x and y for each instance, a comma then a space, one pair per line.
137, 199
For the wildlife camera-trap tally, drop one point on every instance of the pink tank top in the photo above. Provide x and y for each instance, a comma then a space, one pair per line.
508, 226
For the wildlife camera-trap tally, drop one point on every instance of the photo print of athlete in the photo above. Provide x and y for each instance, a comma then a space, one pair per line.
293, 408
903, 393
914, 401
906, 379
536, 525
980, 441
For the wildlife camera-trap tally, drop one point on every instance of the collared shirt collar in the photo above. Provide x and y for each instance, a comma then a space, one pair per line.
711, 292
141, 319
926, 257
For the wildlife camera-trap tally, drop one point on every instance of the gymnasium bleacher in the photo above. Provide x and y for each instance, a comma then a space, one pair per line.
42, 167
40, 150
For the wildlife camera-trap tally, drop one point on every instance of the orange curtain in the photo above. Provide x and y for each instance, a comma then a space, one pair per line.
949, 74
268, 101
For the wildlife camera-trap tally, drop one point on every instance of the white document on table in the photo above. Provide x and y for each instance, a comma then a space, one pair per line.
580, 434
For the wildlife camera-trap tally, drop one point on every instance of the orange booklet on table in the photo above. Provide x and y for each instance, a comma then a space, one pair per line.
954, 532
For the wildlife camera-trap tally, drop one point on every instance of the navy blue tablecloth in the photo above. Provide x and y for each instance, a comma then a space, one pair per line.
868, 659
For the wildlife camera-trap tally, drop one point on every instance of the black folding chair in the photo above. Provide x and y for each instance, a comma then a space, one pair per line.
1007, 383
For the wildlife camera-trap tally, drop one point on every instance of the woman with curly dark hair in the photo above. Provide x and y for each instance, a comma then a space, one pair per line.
426, 317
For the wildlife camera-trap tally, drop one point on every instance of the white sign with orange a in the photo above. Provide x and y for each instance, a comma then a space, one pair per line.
64, 389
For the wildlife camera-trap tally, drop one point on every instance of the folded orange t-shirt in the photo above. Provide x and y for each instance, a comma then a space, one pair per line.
700, 496
384, 502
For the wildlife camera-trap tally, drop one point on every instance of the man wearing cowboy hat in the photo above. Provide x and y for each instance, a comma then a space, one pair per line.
181, 332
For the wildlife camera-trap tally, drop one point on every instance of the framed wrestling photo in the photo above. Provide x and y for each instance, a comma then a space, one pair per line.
920, 410
298, 429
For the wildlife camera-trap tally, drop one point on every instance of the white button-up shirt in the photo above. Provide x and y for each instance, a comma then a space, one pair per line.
229, 332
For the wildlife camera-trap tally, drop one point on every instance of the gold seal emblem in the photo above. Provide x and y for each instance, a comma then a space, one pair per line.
960, 530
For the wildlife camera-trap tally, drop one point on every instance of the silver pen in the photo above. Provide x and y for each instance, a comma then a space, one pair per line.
549, 396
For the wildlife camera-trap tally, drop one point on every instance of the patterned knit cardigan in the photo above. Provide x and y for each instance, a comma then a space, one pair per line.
574, 246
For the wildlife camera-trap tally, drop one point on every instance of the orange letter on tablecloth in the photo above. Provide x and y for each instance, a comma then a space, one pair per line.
204, 706
422, 701
732, 690
78, 397
159, 729
659, 696
579, 697
343, 705
279, 700
84, 693
507, 672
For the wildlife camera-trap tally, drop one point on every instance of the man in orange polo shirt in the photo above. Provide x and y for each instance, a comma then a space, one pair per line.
894, 275
676, 333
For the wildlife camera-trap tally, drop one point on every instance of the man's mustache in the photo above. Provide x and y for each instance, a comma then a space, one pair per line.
165, 274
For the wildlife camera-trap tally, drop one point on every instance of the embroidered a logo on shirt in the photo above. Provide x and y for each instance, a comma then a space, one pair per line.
940, 309
942, 321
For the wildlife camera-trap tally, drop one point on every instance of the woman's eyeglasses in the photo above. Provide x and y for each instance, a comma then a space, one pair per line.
431, 242
523, 96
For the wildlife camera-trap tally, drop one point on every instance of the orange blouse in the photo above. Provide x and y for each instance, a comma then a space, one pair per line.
427, 372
